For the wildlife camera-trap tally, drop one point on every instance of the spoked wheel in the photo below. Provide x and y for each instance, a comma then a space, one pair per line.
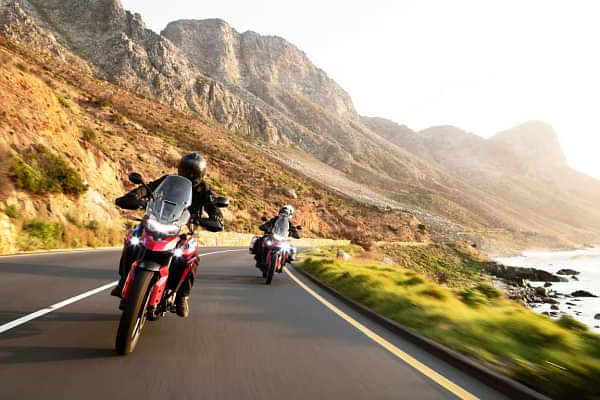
134, 316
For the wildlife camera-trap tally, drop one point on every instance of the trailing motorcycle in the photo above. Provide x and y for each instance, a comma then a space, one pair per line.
276, 248
150, 289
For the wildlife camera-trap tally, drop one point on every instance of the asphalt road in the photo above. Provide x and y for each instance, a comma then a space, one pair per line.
242, 340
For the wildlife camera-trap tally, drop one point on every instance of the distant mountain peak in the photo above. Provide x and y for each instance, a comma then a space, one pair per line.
536, 141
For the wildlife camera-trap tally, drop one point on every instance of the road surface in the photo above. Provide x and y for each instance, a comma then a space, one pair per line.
242, 340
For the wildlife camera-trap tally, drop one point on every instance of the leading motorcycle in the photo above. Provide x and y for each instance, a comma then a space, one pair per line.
150, 289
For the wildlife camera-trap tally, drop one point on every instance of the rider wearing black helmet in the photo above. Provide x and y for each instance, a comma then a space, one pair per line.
193, 167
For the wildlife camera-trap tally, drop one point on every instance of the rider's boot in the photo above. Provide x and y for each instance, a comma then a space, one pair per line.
182, 306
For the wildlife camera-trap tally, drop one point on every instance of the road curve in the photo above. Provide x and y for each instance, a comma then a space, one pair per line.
242, 340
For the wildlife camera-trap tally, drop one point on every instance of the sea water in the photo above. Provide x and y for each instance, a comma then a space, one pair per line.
585, 261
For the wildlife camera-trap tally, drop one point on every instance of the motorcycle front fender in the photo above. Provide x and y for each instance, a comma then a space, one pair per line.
149, 265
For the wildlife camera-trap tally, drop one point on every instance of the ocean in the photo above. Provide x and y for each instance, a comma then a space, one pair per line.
586, 261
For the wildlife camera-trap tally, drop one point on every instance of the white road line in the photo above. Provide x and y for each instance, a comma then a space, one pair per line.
413, 362
26, 318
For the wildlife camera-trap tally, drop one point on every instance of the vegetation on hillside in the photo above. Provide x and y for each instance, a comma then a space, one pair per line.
561, 359
39, 171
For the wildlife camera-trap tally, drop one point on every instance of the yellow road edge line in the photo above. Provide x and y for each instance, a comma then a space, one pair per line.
416, 364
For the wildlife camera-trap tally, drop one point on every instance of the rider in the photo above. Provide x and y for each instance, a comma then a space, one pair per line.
193, 167
267, 227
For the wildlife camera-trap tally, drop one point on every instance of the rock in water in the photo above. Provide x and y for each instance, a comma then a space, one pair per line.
597, 316
540, 291
547, 284
582, 293
554, 307
567, 271
574, 278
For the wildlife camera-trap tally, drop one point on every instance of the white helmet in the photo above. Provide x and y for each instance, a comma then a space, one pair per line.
287, 209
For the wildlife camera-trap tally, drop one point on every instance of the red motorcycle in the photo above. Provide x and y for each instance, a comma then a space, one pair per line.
150, 290
277, 249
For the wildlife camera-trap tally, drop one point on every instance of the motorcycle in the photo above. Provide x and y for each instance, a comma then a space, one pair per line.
277, 249
150, 289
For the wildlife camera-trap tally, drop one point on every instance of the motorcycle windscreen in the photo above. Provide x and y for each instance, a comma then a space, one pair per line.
171, 198
281, 228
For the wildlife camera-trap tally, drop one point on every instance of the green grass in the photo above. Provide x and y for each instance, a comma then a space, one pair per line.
41, 234
63, 101
11, 211
445, 264
561, 358
39, 171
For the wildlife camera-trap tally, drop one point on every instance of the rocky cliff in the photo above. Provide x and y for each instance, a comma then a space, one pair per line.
266, 91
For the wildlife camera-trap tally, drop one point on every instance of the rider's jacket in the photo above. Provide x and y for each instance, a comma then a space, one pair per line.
202, 198
267, 227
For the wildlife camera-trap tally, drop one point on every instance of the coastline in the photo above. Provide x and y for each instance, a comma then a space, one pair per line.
555, 298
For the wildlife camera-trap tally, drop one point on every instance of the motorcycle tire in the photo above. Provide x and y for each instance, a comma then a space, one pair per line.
271, 270
134, 315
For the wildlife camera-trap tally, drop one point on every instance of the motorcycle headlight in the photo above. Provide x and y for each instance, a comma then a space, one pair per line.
164, 229
134, 241
277, 237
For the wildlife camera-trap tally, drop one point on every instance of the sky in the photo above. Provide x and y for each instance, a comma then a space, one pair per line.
483, 66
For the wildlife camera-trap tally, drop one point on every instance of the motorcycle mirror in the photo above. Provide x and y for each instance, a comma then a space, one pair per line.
221, 202
136, 178
263, 218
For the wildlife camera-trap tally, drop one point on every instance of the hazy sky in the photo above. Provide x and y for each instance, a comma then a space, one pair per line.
484, 66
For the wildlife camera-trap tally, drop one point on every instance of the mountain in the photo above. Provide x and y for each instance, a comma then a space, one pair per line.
512, 188
536, 142
60, 130
522, 172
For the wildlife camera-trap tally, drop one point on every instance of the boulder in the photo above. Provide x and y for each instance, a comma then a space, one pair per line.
517, 275
582, 293
574, 278
567, 271
547, 284
571, 304
597, 316
540, 291
342, 255
289, 192
554, 307
550, 300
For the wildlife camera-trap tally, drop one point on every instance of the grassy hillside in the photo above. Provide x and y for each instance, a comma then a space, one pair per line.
560, 359
97, 133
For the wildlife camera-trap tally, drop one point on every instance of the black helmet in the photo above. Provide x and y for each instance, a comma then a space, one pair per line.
193, 167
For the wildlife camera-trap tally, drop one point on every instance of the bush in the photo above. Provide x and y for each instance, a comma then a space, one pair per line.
11, 211
40, 172
568, 322
63, 102
93, 226
489, 291
41, 234
116, 118
88, 134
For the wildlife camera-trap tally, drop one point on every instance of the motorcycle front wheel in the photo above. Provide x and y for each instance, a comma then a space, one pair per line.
134, 315
271, 269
